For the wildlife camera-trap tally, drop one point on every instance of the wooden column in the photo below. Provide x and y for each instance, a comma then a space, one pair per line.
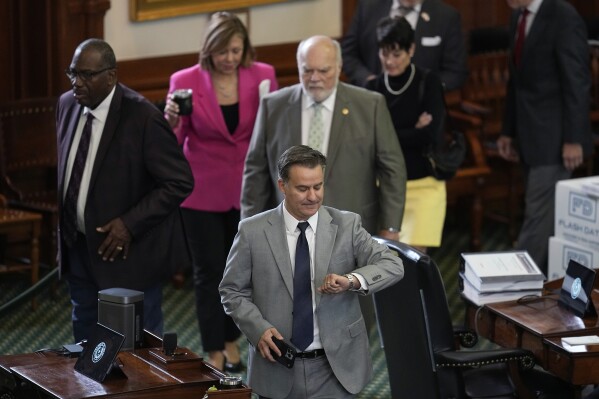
38, 37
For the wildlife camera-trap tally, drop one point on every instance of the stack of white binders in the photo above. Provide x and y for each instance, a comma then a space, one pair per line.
487, 277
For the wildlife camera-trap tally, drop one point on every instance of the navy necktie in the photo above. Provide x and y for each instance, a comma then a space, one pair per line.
303, 317
69, 213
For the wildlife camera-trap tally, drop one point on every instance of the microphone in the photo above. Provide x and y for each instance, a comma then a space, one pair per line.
169, 343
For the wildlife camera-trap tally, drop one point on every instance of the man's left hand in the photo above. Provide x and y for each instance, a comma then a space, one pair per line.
334, 284
389, 235
117, 240
572, 155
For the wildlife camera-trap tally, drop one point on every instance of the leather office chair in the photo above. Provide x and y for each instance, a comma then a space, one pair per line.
420, 344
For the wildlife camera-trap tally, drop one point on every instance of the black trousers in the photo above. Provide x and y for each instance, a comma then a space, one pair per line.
210, 236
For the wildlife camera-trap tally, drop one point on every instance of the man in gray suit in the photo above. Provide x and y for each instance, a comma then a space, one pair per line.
366, 172
259, 291
546, 124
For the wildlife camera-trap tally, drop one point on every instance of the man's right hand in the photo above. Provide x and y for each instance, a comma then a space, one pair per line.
506, 149
265, 344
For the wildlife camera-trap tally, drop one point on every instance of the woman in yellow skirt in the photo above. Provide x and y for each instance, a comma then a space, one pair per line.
415, 100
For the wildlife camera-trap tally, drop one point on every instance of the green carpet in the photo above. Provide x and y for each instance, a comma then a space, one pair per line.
24, 330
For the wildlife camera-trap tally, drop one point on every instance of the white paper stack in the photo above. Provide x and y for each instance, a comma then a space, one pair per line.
499, 276
579, 344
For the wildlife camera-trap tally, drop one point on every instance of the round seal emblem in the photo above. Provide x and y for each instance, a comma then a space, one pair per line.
576, 286
98, 352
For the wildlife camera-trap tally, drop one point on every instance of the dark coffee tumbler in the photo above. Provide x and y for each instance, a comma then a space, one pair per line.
183, 98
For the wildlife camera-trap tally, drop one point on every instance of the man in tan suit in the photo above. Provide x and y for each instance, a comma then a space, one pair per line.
365, 172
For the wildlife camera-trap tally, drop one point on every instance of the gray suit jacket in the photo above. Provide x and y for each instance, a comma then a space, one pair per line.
363, 148
446, 57
257, 292
548, 101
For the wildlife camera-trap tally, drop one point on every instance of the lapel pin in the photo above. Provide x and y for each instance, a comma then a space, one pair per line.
345, 111
425, 16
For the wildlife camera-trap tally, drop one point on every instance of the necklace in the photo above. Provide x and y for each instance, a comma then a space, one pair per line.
398, 92
228, 89
224, 92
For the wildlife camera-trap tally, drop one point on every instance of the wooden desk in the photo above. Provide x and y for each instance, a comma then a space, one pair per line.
538, 325
14, 222
51, 376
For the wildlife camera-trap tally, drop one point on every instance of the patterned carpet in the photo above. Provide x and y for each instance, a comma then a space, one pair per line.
24, 330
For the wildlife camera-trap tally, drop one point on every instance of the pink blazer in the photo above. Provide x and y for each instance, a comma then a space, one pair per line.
216, 156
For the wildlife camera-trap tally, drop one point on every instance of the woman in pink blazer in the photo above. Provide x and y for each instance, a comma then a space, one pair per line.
227, 86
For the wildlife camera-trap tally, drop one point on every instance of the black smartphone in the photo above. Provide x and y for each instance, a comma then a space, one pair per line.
288, 353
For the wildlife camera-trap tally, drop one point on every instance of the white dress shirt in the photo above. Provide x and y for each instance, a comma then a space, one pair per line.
293, 233
533, 9
411, 16
100, 114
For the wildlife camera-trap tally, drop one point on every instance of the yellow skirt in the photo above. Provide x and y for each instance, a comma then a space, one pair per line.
424, 213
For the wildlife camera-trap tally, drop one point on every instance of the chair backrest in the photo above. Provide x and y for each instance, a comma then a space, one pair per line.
487, 39
439, 327
28, 157
28, 150
414, 323
486, 85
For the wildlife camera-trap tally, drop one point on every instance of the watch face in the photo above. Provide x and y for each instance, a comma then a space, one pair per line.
351, 281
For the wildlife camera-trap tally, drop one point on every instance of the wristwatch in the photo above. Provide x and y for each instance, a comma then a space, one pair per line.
351, 279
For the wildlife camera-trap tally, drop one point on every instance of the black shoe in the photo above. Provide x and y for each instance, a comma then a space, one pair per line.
233, 367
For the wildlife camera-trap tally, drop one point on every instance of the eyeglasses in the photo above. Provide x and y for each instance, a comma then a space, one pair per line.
84, 75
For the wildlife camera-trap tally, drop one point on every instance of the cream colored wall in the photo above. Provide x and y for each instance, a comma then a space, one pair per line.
284, 22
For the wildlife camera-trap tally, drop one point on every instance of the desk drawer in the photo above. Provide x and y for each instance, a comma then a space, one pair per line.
505, 334
578, 368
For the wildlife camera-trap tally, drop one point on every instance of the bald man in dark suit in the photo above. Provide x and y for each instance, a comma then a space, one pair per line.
125, 230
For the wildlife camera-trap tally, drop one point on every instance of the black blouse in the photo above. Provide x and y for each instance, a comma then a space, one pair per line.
231, 115
406, 108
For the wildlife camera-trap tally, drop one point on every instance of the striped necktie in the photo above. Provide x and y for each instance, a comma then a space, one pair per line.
69, 211
316, 130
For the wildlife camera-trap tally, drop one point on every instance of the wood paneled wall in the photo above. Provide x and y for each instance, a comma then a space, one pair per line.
37, 39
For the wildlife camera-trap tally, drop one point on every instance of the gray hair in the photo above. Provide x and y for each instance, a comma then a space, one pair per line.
304, 44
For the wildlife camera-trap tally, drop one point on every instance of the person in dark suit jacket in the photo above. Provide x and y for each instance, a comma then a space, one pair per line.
127, 230
259, 287
440, 45
546, 123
